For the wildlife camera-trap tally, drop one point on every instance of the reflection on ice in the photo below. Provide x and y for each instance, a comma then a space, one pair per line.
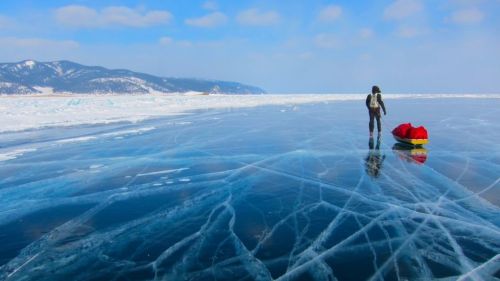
374, 159
258, 194
416, 155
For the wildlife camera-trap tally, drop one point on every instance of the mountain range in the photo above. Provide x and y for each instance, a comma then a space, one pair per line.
32, 77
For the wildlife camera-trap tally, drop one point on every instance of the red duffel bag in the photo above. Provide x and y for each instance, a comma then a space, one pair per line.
402, 130
417, 133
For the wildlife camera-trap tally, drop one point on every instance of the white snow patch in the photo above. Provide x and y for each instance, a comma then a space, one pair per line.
45, 90
29, 63
14, 154
6, 84
182, 123
163, 172
79, 139
57, 68
194, 93
119, 79
129, 132
21, 112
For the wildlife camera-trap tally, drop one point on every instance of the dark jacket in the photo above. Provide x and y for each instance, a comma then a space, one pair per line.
379, 99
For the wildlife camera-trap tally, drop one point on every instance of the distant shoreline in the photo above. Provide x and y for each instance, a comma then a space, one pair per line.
389, 96
24, 112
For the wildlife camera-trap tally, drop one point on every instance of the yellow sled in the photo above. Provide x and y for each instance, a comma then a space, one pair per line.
416, 142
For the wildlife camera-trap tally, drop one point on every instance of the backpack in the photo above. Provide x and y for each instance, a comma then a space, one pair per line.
374, 101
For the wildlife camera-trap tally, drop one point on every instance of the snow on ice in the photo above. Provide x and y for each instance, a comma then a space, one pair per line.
21, 112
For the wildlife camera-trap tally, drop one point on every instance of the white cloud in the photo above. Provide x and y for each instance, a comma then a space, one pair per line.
366, 33
365, 57
467, 2
82, 16
185, 43
408, 32
211, 20
402, 9
130, 17
5, 22
256, 17
210, 5
467, 16
306, 55
326, 41
165, 40
78, 16
16, 42
330, 13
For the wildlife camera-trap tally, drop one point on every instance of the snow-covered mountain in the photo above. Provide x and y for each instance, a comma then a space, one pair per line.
31, 77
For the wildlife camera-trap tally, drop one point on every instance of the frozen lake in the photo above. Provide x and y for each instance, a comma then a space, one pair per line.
278, 192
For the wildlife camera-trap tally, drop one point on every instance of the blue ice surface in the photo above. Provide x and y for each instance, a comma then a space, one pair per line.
268, 193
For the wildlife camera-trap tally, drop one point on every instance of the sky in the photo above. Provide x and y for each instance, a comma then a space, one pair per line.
283, 46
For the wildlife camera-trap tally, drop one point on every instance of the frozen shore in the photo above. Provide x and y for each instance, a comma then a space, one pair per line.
21, 112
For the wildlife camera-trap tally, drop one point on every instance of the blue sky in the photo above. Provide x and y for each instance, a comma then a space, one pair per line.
293, 46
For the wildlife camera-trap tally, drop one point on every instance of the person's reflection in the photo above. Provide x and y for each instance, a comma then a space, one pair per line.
374, 159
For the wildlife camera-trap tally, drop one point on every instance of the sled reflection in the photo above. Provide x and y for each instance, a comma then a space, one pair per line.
411, 154
374, 159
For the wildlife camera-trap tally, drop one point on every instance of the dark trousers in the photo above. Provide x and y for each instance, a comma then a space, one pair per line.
374, 113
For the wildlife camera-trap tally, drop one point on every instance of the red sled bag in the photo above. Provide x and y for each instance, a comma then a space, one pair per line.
417, 133
402, 130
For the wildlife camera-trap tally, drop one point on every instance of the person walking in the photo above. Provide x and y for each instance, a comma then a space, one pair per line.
374, 103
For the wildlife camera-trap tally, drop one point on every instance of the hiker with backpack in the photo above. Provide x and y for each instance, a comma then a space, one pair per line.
374, 103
